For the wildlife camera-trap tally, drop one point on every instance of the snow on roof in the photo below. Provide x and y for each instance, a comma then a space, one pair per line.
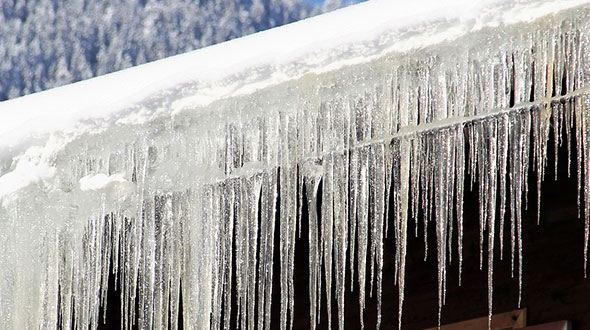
347, 36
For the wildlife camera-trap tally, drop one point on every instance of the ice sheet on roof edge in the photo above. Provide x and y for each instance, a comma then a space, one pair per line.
145, 170
243, 65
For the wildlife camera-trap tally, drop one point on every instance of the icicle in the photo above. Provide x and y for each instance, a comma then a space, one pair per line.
401, 191
557, 113
353, 212
426, 188
241, 240
287, 223
503, 134
265, 264
312, 177
415, 183
482, 170
178, 250
253, 198
459, 185
363, 228
514, 183
340, 185
584, 121
568, 126
451, 190
492, 139
328, 230
377, 191
288, 214
526, 135
525, 138
159, 281
440, 195
228, 241
389, 160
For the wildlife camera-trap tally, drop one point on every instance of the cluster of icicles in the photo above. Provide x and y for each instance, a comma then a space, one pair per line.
406, 128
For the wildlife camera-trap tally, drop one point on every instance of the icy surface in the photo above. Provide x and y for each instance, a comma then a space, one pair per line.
180, 175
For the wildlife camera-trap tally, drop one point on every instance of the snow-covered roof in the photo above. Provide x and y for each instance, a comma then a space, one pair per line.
348, 36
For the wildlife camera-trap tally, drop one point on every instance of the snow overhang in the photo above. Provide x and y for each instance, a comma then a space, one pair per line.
350, 36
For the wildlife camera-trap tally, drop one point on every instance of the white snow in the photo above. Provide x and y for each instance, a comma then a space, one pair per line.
101, 181
25, 173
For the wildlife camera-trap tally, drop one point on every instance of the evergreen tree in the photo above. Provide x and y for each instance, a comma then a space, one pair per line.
49, 43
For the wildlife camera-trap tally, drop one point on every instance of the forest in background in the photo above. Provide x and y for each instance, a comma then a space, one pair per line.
49, 43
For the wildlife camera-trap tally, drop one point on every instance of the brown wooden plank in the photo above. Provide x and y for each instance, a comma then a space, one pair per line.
515, 319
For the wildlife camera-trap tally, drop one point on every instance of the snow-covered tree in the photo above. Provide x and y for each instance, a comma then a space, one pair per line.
48, 43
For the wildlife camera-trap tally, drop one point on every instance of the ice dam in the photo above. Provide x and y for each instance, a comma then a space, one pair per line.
171, 174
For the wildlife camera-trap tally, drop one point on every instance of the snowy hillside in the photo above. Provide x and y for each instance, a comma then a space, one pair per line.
174, 169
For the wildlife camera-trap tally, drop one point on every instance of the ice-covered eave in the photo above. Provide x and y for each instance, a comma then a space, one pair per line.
352, 35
